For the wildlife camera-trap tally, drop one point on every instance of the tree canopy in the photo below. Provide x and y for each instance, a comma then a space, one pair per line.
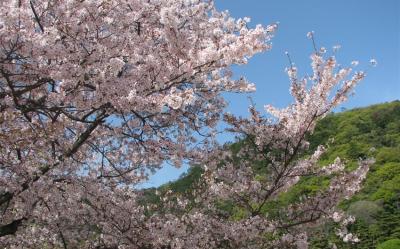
94, 94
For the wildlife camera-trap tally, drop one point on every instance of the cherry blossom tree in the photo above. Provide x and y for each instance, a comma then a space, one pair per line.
94, 94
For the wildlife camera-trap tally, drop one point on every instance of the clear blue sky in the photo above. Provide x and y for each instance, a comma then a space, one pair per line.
365, 29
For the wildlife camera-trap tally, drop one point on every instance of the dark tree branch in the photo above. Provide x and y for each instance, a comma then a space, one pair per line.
11, 228
36, 16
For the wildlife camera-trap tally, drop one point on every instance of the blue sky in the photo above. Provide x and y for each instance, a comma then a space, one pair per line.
365, 29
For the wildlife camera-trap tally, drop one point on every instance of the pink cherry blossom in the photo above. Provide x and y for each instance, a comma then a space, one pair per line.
94, 95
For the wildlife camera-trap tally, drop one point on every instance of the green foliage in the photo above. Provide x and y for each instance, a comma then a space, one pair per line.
368, 132
390, 244
186, 180
388, 154
365, 211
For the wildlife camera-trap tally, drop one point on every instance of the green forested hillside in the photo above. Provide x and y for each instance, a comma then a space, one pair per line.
373, 131
367, 132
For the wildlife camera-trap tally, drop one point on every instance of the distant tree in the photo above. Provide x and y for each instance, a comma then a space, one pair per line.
390, 244
93, 94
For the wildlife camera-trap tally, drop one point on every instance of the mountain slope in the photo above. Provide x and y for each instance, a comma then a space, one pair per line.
367, 132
